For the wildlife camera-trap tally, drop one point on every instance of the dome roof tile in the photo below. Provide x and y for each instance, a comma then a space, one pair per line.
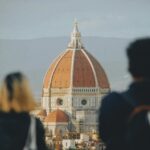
57, 116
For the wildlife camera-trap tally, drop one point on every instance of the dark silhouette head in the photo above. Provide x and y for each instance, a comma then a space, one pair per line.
15, 94
10, 79
138, 54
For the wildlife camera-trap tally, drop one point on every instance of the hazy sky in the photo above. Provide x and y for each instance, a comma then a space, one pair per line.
48, 18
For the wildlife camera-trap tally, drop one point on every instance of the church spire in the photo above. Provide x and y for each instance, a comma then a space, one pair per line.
75, 42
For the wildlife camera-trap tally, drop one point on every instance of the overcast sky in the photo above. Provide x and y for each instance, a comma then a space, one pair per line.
48, 18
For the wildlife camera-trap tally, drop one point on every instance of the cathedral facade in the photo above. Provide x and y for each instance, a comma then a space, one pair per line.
72, 89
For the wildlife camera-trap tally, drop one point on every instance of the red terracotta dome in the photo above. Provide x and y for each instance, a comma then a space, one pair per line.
75, 68
57, 116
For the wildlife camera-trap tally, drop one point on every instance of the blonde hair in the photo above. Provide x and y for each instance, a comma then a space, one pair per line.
15, 94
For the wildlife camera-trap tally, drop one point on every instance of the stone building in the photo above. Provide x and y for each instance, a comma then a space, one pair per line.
73, 87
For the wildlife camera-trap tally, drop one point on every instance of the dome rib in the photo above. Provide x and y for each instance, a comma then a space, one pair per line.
51, 69
83, 75
61, 56
61, 75
100, 72
91, 64
72, 68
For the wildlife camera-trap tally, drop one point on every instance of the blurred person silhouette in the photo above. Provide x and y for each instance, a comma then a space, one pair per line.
18, 129
124, 117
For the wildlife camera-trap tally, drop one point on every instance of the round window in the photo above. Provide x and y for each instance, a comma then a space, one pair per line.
59, 101
84, 102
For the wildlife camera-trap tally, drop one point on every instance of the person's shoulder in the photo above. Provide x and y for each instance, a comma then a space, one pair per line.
113, 100
112, 96
39, 125
113, 93
38, 122
40, 135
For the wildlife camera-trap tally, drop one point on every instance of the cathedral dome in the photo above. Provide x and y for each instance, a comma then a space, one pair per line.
57, 116
75, 67
73, 88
